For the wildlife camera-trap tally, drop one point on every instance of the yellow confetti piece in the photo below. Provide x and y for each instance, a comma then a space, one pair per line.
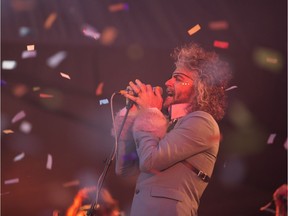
65, 75
8, 131
30, 47
50, 20
99, 89
194, 29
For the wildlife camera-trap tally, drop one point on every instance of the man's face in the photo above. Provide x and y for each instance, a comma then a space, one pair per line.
179, 88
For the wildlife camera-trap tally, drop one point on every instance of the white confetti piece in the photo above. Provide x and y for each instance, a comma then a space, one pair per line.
90, 31
9, 64
30, 47
36, 88
11, 181
65, 75
19, 157
104, 101
271, 139
23, 31
49, 162
8, 131
25, 127
230, 88
54, 60
29, 54
71, 183
194, 29
20, 115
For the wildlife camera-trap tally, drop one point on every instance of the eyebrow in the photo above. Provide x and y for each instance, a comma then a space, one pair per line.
181, 74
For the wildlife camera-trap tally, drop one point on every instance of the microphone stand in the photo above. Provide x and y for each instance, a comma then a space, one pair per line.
108, 162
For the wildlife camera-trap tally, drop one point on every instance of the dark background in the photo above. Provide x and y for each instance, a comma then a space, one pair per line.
76, 130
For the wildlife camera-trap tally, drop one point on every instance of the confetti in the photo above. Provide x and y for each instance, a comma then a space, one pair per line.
71, 183
118, 7
218, 25
65, 75
104, 101
30, 47
20, 90
194, 29
54, 60
50, 20
99, 89
25, 127
90, 31
9, 64
11, 181
230, 88
42, 95
29, 54
20, 115
221, 44
49, 162
108, 35
8, 131
23, 31
269, 59
19, 157
286, 144
3, 82
36, 88
271, 139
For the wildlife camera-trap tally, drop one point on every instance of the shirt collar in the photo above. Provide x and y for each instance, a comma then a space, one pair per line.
178, 110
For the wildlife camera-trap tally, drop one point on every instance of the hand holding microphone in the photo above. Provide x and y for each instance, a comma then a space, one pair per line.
145, 96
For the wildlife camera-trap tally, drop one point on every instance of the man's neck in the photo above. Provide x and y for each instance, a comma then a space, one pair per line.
178, 110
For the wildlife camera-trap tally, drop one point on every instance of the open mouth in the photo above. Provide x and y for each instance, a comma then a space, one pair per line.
169, 93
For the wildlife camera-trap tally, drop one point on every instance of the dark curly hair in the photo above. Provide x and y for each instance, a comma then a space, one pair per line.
210, 77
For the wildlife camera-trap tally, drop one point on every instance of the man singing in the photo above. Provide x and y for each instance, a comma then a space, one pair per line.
174, 153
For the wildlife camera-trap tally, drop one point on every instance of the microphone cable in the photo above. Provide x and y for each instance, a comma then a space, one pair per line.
112, 155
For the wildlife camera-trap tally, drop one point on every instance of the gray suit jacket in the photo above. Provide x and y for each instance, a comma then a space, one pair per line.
165, 186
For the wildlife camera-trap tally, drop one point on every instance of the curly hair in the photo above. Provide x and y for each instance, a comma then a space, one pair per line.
210, 77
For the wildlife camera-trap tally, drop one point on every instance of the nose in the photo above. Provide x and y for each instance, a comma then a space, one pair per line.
169, 82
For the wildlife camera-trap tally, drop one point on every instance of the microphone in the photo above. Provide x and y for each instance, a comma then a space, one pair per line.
129, 103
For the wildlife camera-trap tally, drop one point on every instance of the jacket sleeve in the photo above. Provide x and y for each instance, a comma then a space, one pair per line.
127, 162
191, 135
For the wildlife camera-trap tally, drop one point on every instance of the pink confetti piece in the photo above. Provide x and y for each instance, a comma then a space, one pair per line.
20, 115
118, 7
103, 101
11, 181
49, 162
50, 20
42, 95
194, 29
54, 60
65, 75
9, 64
286, 144
218, 25
19, 157
99, 89
5, 193
25, 127
71, 183
271, 139
221, 44
30, 47
8, 131
29, 54
230, 88
90, 31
